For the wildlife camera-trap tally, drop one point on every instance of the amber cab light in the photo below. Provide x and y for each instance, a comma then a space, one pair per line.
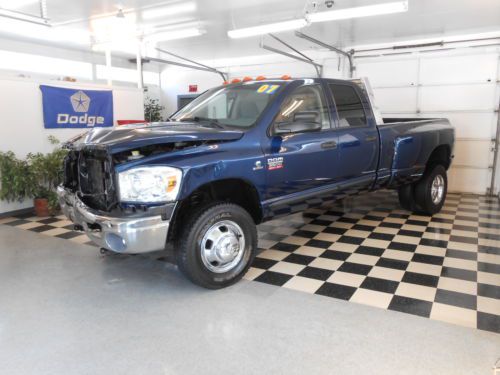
236, 80
247, 78
260, 78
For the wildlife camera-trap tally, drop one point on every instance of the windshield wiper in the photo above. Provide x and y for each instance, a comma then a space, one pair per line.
211, 121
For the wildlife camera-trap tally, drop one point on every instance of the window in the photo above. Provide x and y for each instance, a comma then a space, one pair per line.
24, 62
238, 106
308, 98
349, 107
127, 75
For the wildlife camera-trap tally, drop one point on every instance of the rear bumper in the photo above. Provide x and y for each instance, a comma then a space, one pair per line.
119, 234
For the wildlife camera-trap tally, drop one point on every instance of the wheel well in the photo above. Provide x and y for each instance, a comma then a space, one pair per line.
440, 155
235, 191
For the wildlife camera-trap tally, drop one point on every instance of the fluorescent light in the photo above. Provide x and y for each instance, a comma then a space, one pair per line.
112, 29
364, 11
168, 10
268, 28
174, 34
23, 17
468, 39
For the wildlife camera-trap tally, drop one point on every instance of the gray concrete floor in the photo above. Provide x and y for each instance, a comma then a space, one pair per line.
66, 310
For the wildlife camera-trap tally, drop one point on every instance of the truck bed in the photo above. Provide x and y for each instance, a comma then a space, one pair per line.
406, 144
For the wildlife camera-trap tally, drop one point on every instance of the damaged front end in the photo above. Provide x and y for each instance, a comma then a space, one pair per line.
88, 173
90, 193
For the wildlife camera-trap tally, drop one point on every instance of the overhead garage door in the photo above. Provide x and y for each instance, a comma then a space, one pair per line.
461, 86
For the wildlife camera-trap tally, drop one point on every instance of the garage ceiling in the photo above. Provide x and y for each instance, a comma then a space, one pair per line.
425, 18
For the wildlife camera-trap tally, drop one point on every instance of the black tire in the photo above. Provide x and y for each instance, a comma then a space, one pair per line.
423, 190
406, 195
188, 249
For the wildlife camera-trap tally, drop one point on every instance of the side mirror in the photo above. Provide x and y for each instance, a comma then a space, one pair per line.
306, 116
307, 121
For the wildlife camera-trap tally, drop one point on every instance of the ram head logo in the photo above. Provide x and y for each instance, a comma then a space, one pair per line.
80, 101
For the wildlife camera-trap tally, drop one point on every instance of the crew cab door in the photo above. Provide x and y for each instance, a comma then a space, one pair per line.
300, 158
358, 138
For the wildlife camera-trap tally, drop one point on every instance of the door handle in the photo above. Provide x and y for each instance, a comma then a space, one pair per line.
370, 139
330, 144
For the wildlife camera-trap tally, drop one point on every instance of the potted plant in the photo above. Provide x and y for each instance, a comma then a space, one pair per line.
36, 177
152, 110
15, 178
45, 173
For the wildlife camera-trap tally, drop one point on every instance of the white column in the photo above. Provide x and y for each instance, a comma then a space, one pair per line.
140, 82
109, 74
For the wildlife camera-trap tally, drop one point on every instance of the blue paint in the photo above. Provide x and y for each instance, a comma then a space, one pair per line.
364, 157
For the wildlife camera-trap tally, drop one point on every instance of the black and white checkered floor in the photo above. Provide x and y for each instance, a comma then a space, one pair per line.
367, 250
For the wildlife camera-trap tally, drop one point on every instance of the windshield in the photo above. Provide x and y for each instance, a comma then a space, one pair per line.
238, 106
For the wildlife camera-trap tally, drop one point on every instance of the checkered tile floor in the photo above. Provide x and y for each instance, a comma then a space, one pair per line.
367, 250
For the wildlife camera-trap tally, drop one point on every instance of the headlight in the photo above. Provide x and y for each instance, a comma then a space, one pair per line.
149, 184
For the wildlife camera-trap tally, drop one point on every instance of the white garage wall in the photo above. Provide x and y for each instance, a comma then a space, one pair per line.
21, 126
42, 61
175, 81
461, 85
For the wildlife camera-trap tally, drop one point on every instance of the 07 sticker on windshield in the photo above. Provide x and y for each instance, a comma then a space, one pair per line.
275, 163
267, 89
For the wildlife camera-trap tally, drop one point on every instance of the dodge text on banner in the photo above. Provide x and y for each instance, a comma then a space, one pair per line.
75, 108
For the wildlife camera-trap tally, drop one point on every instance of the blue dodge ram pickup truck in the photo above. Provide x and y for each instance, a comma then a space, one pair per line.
241, 154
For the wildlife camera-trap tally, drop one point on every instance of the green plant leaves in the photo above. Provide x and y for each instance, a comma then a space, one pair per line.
152, 110
35, 177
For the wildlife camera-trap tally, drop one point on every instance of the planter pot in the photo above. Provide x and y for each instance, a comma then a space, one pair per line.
41, 207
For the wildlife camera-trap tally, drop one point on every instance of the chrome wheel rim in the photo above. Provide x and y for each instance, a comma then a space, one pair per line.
222, 246
437, 189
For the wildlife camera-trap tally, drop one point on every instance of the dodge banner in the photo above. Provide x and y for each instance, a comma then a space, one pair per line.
74, 108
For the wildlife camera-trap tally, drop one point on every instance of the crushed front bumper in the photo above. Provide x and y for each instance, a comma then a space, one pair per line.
119, 234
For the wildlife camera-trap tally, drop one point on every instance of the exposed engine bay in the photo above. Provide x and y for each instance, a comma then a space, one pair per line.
88, 171
150, 150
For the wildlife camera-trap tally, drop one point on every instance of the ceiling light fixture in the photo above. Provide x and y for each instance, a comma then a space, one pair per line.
166, 11
268, 28
114, 28
356, 12
174, 35
120, 13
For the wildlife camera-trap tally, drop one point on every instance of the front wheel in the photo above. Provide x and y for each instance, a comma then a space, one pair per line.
217, 245
430, 191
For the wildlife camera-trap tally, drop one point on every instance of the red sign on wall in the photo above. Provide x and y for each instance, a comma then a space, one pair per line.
193, 88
